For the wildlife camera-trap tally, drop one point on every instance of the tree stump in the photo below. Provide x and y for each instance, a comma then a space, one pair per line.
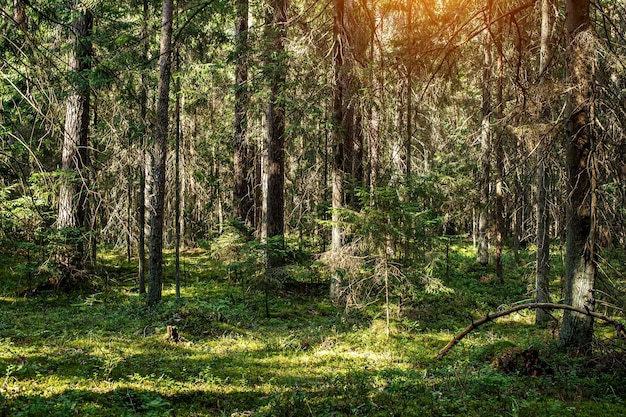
172, 334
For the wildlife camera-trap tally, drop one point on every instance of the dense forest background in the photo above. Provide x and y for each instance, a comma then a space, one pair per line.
374, 133
278, 208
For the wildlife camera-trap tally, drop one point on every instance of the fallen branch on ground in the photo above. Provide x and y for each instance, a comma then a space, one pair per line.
619, 327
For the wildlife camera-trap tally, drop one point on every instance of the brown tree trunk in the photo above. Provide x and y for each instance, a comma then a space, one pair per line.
357, 150
498, 210
337, 141
485, 145
408, 142
352, 122
376, 107
274, 168
73, 190
542, 275
141, 199
155, 271
177, 205
243, 162
580, 258
350, 182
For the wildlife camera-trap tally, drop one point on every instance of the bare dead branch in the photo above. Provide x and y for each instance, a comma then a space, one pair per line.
619, 327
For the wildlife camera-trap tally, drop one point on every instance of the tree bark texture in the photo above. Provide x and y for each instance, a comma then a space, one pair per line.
155, 271
408, 141
73, 189
19, 15
498, 211
580, 257
141, 199
243, 156
376, 106
485, 147
274, 172
177, 184
340, 47
542, 270
352, 120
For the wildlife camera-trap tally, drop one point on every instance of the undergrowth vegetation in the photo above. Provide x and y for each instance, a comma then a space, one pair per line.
98, 351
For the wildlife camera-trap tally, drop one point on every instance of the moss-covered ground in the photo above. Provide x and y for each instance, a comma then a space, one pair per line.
98, 351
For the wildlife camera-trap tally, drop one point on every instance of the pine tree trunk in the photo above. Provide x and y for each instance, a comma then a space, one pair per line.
274, 169
408, 141
349, 148
177, 147
73, 190
580, 258
376, 108
498, 210
485, 145
243, 162
542, 275
337, 141
155, 271
141, 199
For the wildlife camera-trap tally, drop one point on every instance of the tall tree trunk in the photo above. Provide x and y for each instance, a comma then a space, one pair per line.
498, 210
542, 269
485, 145
337, 141
155, 271
580, 257
350, 183
243, 162
357, 142
178, 133
408, 142
73, 190
352, 123
274, 168
141, 199
376, 108
129, 204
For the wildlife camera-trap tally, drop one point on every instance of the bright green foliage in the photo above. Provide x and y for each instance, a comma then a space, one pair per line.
101, 353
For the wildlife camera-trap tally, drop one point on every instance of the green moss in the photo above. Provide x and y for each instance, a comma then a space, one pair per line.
100, 352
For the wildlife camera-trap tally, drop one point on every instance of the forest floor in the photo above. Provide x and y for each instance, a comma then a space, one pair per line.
99, 352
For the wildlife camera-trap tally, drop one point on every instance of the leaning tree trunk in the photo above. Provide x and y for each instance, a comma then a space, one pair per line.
73, 190
155, 271
580, 258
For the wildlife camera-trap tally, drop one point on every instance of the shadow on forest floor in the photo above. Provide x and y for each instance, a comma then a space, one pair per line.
102, 353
